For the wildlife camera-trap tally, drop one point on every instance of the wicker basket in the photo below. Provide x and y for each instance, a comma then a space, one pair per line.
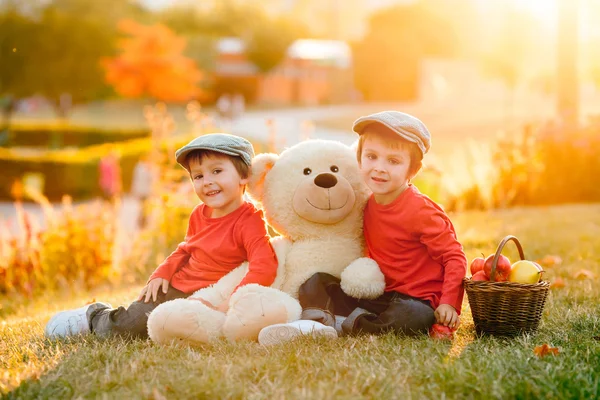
506, 308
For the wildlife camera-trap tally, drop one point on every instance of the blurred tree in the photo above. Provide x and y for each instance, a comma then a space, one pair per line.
266, 37
507, 55
567, 63
509, 52
106, 13
267, 44
199, 30
151, 63
64, 66
16, 34
386, 61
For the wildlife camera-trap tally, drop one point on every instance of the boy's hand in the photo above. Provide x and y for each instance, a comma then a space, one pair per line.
446, 315
151, 289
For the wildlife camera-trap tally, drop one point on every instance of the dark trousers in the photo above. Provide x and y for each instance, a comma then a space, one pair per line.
391, 311
131, 321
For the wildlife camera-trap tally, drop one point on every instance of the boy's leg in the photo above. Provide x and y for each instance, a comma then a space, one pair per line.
402, 314
130, 321
322, 297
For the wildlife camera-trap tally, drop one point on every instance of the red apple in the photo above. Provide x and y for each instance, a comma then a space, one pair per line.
502, 268
441, 332
477, 265
480, 276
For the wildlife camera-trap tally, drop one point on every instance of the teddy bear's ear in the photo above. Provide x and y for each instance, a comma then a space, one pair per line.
261, 165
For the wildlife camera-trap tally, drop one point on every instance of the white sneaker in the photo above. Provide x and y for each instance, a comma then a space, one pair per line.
282, 333
69, 323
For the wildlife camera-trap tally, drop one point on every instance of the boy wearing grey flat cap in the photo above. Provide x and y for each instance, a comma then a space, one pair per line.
223, 232
407, 233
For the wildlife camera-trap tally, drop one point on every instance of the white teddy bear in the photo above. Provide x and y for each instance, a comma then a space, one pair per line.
313, 196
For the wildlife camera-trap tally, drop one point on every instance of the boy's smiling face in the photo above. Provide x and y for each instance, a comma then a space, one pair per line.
217, 184
384, 168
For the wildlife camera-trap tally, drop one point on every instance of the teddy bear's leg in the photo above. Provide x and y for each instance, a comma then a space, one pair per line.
221, 291
184, 320
252, 307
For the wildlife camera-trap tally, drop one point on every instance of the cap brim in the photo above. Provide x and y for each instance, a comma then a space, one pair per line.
361, 123
181, 154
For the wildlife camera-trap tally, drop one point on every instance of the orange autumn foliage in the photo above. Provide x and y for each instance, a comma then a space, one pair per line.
550, 261
583, 274
558, 283
544, 350
151, 63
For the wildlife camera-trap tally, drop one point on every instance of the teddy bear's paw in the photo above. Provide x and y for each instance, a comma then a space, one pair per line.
363, 279
184, 320
253, 307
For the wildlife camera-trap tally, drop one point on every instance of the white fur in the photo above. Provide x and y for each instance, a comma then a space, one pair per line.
221, 291
184, 320
363, 279
254, 307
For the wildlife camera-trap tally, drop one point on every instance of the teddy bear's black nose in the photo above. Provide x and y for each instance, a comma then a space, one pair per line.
325, 180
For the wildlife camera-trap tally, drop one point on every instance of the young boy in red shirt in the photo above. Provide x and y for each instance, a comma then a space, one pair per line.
223, 232
408, 234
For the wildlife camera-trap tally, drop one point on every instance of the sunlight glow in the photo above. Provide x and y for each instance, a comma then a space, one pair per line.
544, 10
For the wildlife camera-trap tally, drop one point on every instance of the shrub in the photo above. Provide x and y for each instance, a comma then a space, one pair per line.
152, 246
74, 172
75, 250
549, 165
59, 135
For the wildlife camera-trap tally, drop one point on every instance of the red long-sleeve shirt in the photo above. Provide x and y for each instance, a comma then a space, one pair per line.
215, 246
415, 245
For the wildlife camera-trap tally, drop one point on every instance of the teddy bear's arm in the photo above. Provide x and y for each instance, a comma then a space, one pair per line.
363, 279
222, 290
282, 246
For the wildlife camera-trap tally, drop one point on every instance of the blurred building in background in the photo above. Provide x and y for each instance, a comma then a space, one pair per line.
313, 72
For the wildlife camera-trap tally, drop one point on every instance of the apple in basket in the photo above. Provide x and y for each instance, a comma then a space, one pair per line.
480, 276
525, 271
502, 268
476, 265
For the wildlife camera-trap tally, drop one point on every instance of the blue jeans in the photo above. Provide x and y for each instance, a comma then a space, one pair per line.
391, 311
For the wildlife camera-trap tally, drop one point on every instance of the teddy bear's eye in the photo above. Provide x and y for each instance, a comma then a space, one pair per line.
307, 171
334, 168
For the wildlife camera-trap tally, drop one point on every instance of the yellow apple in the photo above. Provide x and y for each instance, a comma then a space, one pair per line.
525, 272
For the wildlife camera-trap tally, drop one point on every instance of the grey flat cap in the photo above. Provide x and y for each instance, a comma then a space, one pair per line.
220, 142
405, 125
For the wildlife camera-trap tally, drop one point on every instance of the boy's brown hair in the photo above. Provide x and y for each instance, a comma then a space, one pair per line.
394, 141
199, 155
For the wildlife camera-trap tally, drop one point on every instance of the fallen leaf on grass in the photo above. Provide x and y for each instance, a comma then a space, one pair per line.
544, 350
558, 283
550, 261
583, 274
157, 394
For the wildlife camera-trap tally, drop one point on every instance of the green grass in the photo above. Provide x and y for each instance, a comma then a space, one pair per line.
364, 367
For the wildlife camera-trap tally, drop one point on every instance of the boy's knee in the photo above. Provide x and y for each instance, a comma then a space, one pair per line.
321, 278
131, 322
417, 323
316, 282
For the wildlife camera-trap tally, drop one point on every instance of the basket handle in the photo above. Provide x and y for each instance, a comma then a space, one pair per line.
499, 251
